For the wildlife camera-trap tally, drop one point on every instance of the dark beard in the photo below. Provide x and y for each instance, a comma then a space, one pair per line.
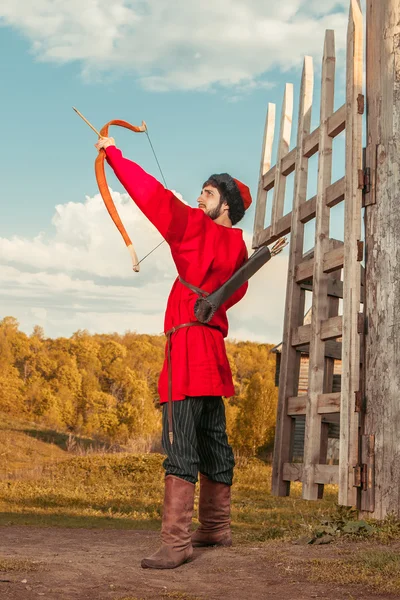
214, 213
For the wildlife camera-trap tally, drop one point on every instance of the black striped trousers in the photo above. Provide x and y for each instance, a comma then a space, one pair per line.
200, 440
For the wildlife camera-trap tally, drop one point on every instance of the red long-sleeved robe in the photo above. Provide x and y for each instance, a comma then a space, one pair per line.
206, 255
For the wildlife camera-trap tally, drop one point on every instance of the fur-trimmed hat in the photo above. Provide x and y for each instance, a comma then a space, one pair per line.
233, 188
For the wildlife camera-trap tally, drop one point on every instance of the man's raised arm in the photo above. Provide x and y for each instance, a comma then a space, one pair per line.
167, 213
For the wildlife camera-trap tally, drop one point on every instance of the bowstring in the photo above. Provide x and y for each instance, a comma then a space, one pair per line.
165, 184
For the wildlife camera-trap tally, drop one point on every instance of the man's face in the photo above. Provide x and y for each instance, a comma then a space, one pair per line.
209, 201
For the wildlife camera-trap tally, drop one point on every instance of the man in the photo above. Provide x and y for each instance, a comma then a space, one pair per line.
206, 250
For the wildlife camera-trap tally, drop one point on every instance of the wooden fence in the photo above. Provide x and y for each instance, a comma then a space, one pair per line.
331, 271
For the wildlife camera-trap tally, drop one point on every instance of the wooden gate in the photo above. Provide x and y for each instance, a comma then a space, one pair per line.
321, 273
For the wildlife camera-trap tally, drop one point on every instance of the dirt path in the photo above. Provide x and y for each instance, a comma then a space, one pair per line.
80, 564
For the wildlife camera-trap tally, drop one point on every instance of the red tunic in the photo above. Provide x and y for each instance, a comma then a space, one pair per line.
206, 255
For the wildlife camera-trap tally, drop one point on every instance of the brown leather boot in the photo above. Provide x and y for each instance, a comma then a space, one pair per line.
214, 514
176, 547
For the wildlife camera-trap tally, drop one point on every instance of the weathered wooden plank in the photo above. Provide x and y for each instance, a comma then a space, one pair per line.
269, 179
326, 474
283, 149
335, 287
382, 236
326, 401
368, 460
333, 349
323, 474
336, 124
329, 403
266, 157
335, 193
330, 329
301, 335
333, 260
295, 297
349, 443
289, 162
320, 305
304, 270
296, 405
292, 471
307, 210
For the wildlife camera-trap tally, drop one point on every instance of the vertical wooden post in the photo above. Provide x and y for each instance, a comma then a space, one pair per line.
349, 418
283, 149
320, 304
295, 296
382, 282
266, 158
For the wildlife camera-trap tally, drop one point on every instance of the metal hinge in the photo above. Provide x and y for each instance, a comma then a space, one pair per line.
360, 250
360, 104
359, 401
364, 472
364, 180
360, 476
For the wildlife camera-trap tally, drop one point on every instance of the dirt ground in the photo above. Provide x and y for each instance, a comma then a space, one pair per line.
80, 564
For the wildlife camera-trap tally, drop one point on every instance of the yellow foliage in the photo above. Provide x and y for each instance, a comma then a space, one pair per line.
106, 385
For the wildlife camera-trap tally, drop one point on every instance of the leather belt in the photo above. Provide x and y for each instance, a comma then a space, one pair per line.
169, 335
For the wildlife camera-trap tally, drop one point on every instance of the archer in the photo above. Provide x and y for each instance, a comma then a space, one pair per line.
207, 251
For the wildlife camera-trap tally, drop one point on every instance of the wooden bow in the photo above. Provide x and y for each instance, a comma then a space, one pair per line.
103, 185
104, 189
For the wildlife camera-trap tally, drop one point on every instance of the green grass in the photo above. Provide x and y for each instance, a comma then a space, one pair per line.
376, 569
49, 486
20, 453
42, 484
126, 491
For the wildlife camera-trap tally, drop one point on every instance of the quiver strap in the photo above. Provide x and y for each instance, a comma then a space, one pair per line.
205, 307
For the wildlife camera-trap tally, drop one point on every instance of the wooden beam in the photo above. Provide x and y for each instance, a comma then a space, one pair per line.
335, 287
269, 179
322, 474
296, 405
320, 305
335, 193
266, 158
283, 149
349, 442
336, 124
289, 162
301, 335
327, 404
330, 329
295, 297
333, 260
382, 236
333, 349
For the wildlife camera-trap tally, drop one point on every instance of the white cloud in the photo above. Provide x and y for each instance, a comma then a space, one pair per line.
180, 44
81, 278
86, 240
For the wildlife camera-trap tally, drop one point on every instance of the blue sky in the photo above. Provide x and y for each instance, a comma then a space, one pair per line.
201, 76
